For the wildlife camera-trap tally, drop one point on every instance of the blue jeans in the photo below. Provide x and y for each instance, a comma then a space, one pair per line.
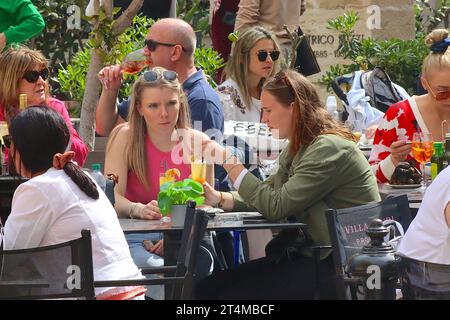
144, 259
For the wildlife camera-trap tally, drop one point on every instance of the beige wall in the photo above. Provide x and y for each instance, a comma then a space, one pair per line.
396, 19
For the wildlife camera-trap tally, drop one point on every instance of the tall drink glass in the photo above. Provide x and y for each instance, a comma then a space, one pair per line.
198, 171
422, 150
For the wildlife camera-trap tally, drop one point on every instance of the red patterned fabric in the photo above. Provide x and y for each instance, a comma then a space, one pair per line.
399, 123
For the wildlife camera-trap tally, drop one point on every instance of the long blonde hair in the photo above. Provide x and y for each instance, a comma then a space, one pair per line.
439, 57
310, 119
239, 62
14, 62
135, 151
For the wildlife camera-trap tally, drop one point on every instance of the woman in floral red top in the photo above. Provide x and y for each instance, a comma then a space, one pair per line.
24, 70
423, 113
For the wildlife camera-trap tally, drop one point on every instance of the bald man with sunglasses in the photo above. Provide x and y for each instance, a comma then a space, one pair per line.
170, 43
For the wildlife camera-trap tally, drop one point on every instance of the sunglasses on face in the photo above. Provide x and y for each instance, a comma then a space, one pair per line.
439, 96
274, 55
152, 44
167, 75
33, 76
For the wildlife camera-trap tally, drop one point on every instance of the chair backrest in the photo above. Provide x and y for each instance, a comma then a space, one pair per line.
348, 227
98, 154
424, 280
180, 285
59, 271
194, 237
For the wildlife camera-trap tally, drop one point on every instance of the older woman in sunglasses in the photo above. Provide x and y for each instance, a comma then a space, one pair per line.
424, 113
321, 168
254, 57
24, 70
146, 146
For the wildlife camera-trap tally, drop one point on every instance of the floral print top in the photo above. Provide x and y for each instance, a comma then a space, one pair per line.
233, 104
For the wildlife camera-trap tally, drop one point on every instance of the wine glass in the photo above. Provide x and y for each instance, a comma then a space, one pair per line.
135, 62
356, 127
132, 63
422, 150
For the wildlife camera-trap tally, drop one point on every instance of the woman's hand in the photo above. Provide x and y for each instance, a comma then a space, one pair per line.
214, 152
370, 132
399, 151
150, 211
212, 197
158, 248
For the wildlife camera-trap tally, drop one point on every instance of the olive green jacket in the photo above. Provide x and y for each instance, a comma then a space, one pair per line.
329, 173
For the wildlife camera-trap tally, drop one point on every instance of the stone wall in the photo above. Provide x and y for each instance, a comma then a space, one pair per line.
381, 19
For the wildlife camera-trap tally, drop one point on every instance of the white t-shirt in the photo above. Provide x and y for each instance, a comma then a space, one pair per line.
428, 236
233, 105
50, 209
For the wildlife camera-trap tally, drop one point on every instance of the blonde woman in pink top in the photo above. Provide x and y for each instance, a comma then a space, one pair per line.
147, 145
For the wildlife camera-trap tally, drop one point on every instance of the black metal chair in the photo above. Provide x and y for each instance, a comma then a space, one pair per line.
181, 283
65, 270
347, 229
57, 271
422, 280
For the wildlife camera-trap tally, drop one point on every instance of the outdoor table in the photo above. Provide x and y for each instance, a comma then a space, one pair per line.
415, 195
221, 222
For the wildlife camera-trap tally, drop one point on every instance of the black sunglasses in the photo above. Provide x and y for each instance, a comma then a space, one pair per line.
168, 75
274, 55
33, 76
152, 45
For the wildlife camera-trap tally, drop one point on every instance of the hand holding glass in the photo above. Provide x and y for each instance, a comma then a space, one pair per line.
198, 171
422, 150
132, 63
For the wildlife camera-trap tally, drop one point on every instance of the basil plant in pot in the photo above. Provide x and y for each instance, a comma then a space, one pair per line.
173, 196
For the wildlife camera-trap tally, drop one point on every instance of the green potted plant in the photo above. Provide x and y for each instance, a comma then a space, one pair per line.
173, 196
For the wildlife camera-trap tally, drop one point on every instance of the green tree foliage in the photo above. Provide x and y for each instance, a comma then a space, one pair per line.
402, 59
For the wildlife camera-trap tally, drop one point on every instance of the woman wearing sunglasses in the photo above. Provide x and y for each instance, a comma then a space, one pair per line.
424, 113
321, 168
146, 146
24, 70
254, 57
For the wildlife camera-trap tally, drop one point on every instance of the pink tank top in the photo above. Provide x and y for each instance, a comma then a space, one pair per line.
136, 191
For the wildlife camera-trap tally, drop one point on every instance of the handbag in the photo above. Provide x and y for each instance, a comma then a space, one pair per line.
306, 62
288, 245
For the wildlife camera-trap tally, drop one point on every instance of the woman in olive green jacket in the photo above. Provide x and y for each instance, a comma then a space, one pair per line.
321, 168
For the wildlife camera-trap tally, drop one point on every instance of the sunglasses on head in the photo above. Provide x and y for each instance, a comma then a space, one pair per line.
33, 76
167, 75
152, 44
274, 55
441, 95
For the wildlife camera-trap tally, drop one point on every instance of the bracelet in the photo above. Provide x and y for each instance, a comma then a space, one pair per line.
133, 206
229, 157
221, 201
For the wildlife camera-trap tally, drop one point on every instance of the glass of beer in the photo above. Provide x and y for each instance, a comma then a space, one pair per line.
135, 62
422, 150
132, 63
198, 170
